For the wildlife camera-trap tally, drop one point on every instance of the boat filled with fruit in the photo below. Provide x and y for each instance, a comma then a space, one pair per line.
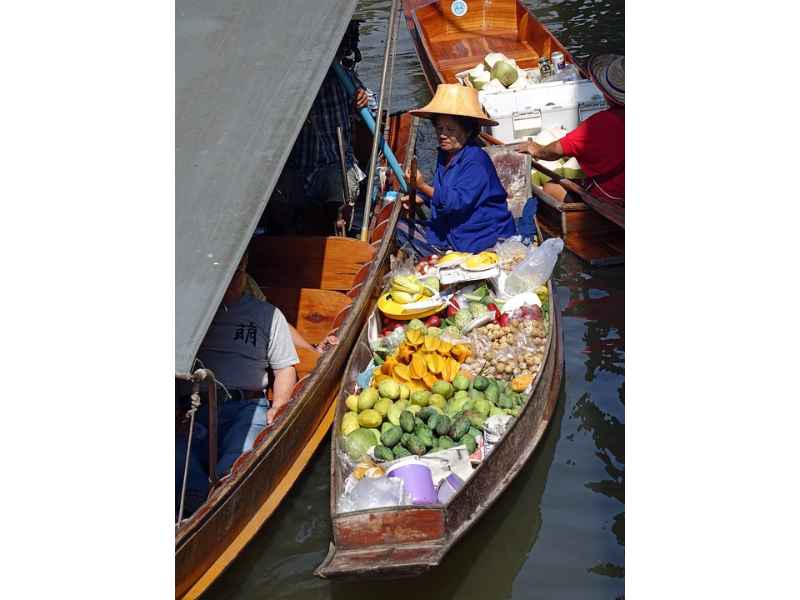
448, 390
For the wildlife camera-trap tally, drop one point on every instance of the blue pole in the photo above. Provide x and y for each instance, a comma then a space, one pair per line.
366, 116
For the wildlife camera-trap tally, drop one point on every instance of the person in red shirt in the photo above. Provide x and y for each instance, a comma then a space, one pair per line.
598, 143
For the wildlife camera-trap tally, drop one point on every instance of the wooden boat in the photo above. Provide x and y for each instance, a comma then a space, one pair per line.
406, 541
323, 285
447, 45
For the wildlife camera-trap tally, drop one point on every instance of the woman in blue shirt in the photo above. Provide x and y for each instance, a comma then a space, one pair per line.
467, 201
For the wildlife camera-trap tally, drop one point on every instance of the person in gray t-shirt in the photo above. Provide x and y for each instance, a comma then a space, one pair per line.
246, 337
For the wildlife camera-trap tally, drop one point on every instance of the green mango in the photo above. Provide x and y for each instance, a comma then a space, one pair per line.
415, 445
483, 406
383, 453
492, 394
426, 413
442, 387
400, 452
407, 421
469, 442
433, 420
385, 425
420, 397
505, 401
367, 398
438, 401
443, 425
480, 383
496, 410
461, 382
459, 428
475, 394
445, 442
391, 437
475, 418
425, 436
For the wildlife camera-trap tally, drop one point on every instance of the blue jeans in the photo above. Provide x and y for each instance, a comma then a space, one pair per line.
239, 423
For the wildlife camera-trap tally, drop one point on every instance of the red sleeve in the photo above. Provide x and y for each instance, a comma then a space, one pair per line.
574, 142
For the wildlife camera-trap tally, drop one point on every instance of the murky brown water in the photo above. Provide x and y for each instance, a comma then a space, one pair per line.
559, 530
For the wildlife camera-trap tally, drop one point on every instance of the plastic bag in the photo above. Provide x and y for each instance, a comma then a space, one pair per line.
369, 493
510, 253
536, 269
514, 171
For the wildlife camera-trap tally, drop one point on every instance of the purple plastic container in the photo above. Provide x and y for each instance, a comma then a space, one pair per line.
448, 487
418, 482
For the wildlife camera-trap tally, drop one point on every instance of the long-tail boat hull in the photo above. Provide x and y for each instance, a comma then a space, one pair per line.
447, 45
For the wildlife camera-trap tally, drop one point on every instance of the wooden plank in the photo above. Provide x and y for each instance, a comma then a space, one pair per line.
308, 361
328, 263
311, 311
265, 510
389, 526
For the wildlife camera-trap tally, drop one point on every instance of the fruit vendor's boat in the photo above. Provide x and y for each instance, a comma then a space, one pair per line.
404, 541
447, 45
234, 130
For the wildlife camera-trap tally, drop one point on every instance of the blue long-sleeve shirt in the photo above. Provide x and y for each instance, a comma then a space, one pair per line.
468, 208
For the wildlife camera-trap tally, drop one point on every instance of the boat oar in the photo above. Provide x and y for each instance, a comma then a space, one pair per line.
342, 224
377, 137
366, 116
610, 211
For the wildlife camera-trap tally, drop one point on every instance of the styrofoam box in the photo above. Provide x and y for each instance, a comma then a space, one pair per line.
551, 105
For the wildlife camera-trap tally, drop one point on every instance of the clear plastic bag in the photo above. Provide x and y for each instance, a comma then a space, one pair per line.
370, 493
510, 253
514, 171
536, 269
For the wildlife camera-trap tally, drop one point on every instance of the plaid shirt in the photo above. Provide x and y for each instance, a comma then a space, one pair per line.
316, 145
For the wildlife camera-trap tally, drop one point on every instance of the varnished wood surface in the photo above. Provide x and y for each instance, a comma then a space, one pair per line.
328, 263
311, 311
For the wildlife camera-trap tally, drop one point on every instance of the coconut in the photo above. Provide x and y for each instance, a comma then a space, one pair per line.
477, 70
491, 58
479, 81
504, 72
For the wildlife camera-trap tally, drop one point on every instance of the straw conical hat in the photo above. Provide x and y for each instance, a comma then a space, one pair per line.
457, 100
608, 72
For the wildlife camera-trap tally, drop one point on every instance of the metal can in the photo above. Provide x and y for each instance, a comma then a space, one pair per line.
558, 61
545, 68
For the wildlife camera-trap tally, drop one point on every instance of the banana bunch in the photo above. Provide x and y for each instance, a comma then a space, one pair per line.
405, 289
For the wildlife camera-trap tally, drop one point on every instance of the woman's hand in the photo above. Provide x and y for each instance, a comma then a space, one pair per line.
419, 182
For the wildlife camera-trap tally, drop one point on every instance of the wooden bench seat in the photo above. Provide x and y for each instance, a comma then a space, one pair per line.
324, 263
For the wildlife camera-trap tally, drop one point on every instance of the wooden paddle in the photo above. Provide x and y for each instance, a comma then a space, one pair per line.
612, 212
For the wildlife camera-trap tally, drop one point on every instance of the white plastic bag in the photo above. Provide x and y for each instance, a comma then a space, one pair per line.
536, 269
368, 493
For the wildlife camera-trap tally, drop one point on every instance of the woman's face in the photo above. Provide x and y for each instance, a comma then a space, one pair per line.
450, 133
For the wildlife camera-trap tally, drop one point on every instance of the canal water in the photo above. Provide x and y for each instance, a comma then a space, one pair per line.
558, 532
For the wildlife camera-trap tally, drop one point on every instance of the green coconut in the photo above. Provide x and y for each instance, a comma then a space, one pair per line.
504, 72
